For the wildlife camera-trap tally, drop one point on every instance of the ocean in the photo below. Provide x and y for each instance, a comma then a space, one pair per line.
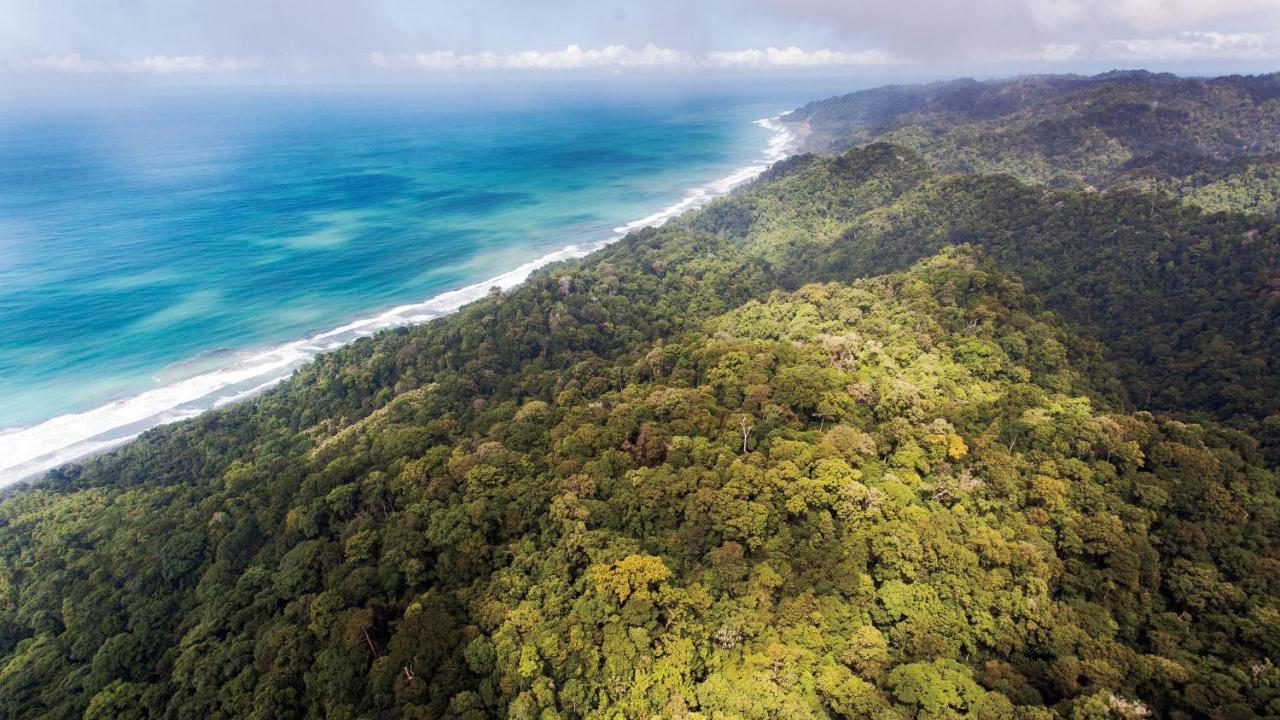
183, 250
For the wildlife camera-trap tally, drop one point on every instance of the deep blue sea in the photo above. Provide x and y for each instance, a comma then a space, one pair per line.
182, 250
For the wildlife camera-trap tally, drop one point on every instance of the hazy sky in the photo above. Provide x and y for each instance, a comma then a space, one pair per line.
315, 40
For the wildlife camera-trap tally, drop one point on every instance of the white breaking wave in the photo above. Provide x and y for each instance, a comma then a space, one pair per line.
26, 452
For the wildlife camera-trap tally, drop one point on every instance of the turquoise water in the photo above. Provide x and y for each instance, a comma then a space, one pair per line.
178, 252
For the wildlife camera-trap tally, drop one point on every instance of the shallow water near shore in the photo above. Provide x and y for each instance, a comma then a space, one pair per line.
159, 260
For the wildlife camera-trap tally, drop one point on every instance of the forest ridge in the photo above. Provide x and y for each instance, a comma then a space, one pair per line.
1214, 141
974, 411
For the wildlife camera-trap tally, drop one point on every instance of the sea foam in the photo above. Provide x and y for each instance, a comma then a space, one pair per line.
29, 451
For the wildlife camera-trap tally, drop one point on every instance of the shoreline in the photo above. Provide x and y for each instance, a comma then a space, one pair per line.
26, 453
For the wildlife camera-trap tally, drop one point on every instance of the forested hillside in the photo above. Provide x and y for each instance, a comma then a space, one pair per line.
1211, 140
1187, 303
865, 439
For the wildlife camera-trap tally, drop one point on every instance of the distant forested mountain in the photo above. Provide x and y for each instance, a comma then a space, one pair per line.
880, 435
1215, 141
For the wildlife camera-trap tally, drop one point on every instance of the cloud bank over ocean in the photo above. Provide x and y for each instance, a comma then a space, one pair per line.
1183, 47
368, 39
650, 56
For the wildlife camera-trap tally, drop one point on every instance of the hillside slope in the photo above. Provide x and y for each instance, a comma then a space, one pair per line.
648, 482
1186, 303
862, 440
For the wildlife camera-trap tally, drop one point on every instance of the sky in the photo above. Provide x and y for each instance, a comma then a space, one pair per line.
48, 42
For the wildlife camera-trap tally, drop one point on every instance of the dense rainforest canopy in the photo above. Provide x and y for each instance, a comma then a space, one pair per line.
877, 436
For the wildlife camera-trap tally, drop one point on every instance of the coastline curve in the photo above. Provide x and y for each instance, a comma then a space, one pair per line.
28, 452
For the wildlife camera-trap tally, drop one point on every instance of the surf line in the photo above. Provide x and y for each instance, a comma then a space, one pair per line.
30, 451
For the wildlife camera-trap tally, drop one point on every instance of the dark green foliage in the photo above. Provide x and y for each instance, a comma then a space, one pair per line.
1211, 140
859, 441
1186, 303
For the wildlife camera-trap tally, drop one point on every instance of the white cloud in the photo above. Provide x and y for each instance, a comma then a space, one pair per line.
612, 56
794, 57
1195, 45
574, 57
943, 31
1184, 46
154, 65
439, 60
